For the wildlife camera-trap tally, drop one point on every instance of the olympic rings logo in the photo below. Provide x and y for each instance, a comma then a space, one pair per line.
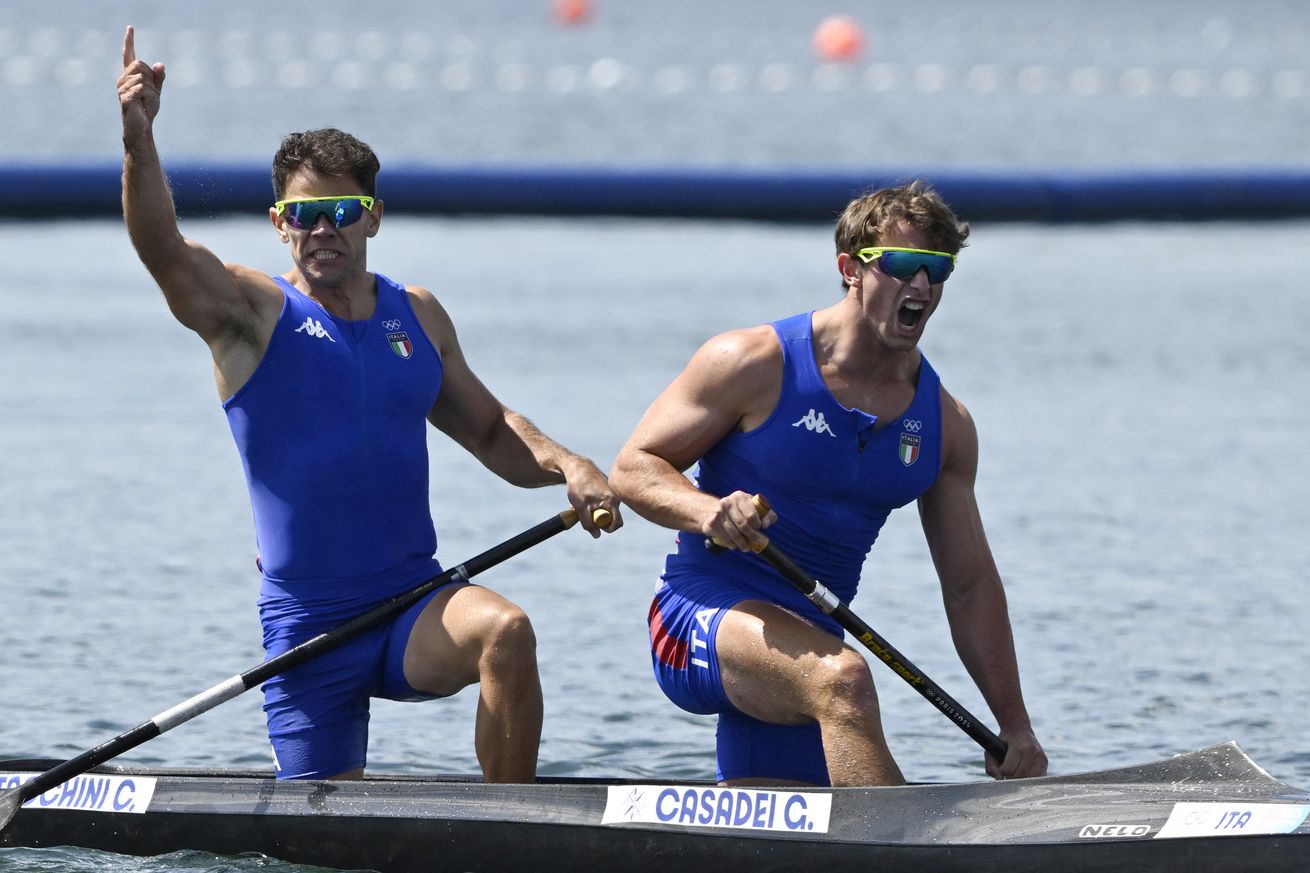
391, 324
912, 425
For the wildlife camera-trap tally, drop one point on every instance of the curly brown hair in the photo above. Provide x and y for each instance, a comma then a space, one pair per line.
329, 151
868, 217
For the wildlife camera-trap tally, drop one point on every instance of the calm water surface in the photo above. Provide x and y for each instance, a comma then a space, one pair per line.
1137, 390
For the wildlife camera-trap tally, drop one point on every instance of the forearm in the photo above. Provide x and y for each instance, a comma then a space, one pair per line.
148, 205
980, 627
522, 455
660, 493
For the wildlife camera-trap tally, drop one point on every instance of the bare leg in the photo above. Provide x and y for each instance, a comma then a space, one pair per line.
508, 731
781, 669
469, 634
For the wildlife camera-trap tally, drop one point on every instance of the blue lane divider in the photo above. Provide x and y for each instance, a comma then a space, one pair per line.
213, 189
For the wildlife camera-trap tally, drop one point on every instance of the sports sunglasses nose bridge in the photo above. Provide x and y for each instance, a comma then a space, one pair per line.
924, 271
930, 270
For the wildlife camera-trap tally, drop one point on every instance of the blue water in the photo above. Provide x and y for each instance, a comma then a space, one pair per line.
1139, 389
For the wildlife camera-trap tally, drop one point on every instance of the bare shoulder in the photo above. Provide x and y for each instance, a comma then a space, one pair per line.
256, 304
254, 283
954, 411
959, 433
422, 298
734, 379
752, 354
434, 318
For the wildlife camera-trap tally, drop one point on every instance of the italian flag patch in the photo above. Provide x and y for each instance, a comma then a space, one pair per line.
909, 448
400, 343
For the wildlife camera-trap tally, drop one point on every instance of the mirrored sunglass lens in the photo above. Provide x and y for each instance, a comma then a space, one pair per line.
347, 212
340, 212
903, 265
306, 215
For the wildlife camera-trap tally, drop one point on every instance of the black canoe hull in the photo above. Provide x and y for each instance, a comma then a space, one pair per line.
1104, 822
494, 847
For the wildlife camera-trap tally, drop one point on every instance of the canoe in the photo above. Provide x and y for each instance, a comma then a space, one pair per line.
1209, 810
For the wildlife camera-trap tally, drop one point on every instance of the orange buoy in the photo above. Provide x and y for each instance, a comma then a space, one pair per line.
571, 11
839, 38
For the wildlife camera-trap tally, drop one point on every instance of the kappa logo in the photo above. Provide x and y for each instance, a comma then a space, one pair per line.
815, 423
314, 329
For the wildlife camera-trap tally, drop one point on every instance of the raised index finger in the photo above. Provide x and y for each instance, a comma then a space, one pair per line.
129, 47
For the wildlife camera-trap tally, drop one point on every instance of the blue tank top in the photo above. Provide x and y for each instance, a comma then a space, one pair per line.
832, 475
331, 429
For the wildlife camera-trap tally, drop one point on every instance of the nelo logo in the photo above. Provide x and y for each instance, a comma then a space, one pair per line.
1096, 832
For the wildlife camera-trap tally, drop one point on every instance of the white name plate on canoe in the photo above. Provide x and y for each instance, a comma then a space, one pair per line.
1232, 819
712, 807
90, 792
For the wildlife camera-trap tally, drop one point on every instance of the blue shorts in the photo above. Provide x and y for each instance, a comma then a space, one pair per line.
684, 623
318, 711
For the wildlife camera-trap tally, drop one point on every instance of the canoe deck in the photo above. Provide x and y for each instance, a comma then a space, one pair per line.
1209, 810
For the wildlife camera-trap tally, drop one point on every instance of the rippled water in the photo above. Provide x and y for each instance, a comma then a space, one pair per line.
1139, 389
1142, 477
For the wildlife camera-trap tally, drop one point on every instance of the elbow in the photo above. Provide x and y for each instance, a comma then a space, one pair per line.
636, 480
975, 593
623, 476
618, 481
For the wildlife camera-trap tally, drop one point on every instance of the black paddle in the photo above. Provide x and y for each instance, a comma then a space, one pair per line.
886, 652
11, 800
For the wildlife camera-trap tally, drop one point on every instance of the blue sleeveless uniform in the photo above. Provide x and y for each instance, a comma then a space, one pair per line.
833, 475
331, 429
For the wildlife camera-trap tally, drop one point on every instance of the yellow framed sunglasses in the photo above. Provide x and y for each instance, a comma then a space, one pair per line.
903, 263
341, 210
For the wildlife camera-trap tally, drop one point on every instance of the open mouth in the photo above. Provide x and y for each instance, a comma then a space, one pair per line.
911, 313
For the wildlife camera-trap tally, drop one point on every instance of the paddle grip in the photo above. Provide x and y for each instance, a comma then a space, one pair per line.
602, 517
762, 508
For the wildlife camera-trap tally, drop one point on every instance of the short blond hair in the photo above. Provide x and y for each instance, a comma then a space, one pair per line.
866, 219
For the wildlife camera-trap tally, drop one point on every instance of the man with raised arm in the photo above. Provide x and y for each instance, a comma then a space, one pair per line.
836, 418
327, 375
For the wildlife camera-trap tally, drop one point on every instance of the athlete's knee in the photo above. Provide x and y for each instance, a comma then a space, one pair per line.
845, 687
508, 637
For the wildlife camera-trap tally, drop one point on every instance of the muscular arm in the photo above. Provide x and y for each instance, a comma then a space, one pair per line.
225, 305
974, 594
731, 383
504, 441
